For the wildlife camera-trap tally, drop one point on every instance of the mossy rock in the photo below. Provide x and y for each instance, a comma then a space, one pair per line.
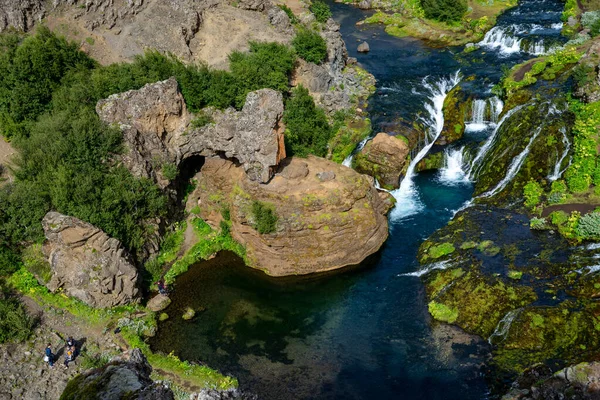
163, 317
432, 161
188, 314
456, 106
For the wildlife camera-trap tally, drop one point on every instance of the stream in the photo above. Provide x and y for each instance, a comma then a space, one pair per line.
365, 333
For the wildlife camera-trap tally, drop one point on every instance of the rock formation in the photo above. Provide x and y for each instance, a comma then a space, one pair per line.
328, 216
158, 133
456, 104
20, 14
363, 47
117, 380
88, 264
384, 158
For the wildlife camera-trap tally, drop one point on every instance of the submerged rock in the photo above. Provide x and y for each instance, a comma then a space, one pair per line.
322, 224
88, 264
188, 314
118, 380
384, 158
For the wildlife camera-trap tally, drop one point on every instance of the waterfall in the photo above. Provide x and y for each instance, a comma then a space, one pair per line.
407, 201
378, 186
515, 165
488, 143
348, 160
430, 267
567, 146
481, 119
504, 325
453, 171
498, 38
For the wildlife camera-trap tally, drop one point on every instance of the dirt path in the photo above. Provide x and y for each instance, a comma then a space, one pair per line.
6, 154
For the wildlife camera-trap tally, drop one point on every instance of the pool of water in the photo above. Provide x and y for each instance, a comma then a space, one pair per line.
362, 333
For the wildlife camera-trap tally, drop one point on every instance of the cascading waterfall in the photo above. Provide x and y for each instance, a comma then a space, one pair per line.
430, 267
407, 201
567, 146
488, 144
481, 118
453, 171
496, 107
506, 41
348, 160
504, 325
515, 165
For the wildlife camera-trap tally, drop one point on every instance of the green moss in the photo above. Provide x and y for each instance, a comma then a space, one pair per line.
441, 250
515, 274
443, 313
468, 245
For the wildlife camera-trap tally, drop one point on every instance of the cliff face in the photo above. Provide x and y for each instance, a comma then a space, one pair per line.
328, 216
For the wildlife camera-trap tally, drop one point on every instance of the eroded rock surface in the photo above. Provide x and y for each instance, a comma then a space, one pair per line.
329, 216
88, 264
158, 133
384, 158
117, 380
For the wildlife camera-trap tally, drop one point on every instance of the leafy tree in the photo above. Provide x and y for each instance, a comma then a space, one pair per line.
444, 10
265, 219
310, 46
307, 129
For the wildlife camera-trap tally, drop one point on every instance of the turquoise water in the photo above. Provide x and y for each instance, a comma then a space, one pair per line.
363, 333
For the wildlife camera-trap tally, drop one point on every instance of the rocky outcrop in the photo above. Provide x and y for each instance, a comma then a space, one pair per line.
328, 216
20, 14
88, 264
587, 86
456, 104
159, 135
384, 158
581, 381
118, 380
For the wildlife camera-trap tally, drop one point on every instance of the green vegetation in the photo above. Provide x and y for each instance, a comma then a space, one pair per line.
444, 10
588, 226
15, 324
310, 46
293, 19
443, 313
441, 250
265, 219
515, 274
585, 131
320, 10
307, 129
202, 119
532, 192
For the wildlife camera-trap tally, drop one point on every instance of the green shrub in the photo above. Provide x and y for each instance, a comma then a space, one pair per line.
537, 223
532, 192
589, 226
583, 74
444, 10
15, 324
320, 10
265, 219
9, 261
202, 119
36, 263
556, 198
169, 171
307, 129
293, 19
267, 65
310, 46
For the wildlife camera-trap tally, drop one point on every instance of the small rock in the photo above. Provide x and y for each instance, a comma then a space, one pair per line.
163, 317
189, 314
572, 21
326, 176
363, 47
351, 61
469, 45
159, 303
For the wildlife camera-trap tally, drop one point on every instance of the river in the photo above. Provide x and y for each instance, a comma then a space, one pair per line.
365, 333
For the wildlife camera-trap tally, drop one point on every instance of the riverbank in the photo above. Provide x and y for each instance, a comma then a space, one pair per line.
402, 21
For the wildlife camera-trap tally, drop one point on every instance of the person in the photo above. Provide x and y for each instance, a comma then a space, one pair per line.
49, 357
70, 341
69, 356
162, 287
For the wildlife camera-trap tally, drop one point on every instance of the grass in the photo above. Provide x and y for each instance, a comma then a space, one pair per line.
443, 313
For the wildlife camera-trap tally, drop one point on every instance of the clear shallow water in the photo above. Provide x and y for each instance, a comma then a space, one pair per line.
362, 333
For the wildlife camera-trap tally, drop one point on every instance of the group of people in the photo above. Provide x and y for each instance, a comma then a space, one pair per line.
70, 351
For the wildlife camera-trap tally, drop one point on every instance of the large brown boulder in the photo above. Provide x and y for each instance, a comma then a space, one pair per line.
159, 134
384, 158
88, 264
328, 215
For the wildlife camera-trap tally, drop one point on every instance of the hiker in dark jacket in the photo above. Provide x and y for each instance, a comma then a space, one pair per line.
49, 357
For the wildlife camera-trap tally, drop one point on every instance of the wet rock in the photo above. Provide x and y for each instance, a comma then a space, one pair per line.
188, 314
230, 394
456, 106
120, 379
384, 158
363, 47
88, 264
321, 225
158, 303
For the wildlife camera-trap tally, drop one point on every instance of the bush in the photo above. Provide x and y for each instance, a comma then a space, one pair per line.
532, 192
444, 10
320, 10
293, 19
589, 226
265, 219
169, 171
307, 129
537, 223
15, 324
268, 65
310, 46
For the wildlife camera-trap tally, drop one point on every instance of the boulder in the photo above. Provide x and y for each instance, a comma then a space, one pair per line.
88, 264
118, 380
158, 132
363, 47
456, 105
158, 303
384, 158
328, 218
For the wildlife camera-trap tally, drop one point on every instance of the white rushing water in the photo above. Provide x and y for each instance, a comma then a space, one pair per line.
453, 171
504, 325
506, 40
567, 146
407, 198
348, 160
484, 114
488, 144
515, 165
430, 267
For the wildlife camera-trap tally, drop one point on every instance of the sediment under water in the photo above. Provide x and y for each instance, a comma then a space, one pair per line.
363, 333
